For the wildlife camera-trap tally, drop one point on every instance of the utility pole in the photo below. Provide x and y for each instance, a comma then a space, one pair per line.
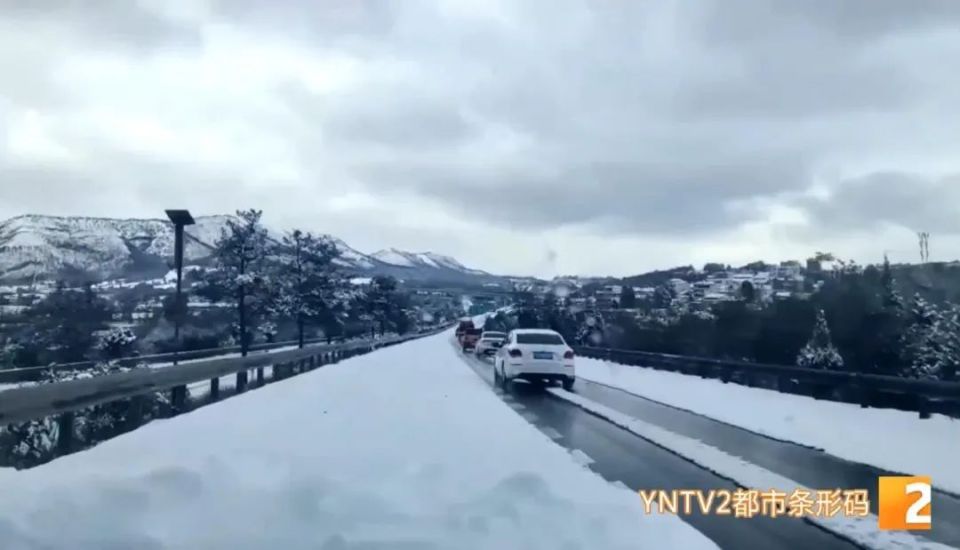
180, 219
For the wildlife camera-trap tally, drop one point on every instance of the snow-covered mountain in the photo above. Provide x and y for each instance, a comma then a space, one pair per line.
47, 247
428, 260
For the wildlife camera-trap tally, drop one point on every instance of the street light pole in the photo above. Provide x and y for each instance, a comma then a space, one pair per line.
180, 219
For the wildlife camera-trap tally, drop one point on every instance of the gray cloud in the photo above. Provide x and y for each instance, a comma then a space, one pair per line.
624, 196
396, 119
126, 24
910, 200
322, 23
754, 22
655, 120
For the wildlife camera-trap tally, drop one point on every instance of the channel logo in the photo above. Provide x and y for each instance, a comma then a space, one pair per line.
905, 503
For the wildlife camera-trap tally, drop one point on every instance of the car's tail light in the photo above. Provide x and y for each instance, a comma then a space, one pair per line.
568, 355
515, 353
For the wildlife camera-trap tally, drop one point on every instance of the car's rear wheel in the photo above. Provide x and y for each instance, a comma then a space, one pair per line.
504, 381
568, 383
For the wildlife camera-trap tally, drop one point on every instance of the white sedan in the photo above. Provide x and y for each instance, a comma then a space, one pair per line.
490, 342
535, 355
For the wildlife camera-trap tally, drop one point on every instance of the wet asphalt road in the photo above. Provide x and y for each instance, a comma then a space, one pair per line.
622, 456
807, 466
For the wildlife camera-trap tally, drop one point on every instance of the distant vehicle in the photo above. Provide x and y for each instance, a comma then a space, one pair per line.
465, 324
490, 342
535, 355
469, 339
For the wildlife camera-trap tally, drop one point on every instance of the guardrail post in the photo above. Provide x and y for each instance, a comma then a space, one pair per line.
821, 391
241, 381
134, 412
260, 376
178, 400
65, 433
214, 389
924, 407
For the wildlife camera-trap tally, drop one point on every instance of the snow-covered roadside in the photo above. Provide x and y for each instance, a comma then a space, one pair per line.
898, 441
863, 530
399, 448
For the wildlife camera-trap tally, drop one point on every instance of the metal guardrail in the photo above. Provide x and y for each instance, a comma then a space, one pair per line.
31, 374
64, 398
923, 396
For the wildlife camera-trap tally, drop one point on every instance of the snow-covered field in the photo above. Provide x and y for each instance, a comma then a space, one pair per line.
400, 448
894, 440
862, 530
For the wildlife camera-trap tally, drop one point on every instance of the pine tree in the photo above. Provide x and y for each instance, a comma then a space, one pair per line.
949, 364
308, 280
386, 306
117, 343
65, 321
931, 345
820, 353
921, 348
628, 298
891, 297
240, 275
664, 296
748, 293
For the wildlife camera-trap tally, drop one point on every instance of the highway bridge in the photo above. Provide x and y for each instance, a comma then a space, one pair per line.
417, 412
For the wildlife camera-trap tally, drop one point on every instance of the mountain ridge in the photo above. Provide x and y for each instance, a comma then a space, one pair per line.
37, 246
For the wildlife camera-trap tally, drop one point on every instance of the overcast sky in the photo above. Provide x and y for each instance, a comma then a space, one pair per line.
530, 137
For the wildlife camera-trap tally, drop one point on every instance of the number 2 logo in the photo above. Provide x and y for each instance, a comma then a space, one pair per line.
913, 512
905, 503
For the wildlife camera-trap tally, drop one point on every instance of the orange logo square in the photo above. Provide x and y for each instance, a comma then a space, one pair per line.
905, 503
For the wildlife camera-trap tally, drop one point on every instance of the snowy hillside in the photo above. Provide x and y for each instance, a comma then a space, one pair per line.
47, 247
424, 260
43, 246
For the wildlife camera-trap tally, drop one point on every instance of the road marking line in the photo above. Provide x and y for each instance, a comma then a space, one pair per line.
581, 457
862, 531
517, 406
551, 433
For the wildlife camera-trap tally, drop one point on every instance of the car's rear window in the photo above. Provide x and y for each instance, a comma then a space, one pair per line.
538, 338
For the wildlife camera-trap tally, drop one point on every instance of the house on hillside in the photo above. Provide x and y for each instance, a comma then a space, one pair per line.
608, 296
681, 286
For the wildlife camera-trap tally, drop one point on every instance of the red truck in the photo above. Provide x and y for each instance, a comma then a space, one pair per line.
465, 324
470, 338
467, 334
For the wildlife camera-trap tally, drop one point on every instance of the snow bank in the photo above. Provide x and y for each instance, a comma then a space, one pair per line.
400, 448
922, 447
862, 530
